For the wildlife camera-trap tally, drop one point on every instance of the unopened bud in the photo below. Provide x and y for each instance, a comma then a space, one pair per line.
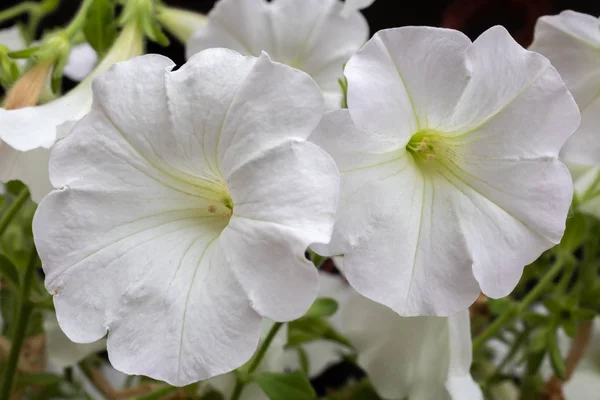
26, 92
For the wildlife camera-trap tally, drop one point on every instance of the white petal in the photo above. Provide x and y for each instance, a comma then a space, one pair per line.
407, 79
309, 35
82, 59
292, 278
361, 157
30, 167
571, 41
413, 225
61, 351
283, 199
355, 5
12, 38
506, 105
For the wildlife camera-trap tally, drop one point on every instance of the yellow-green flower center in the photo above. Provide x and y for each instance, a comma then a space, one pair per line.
423, 145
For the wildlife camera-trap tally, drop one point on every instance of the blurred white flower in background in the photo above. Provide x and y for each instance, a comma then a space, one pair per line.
169, 227
571, 41
310, 35
82, 60
450, 178
416, 357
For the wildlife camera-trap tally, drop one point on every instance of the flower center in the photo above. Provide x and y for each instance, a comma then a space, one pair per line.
222, 208
423, 145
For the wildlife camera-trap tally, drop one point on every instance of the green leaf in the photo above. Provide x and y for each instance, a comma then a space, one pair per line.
292, 386
42, 379
308, 329
100, 27
8, 271
556, 359
322, 307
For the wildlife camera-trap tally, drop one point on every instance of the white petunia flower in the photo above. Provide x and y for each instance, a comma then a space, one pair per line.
571, 41
27, 134
273, 361
310, 35
450, 179
185, 203
415, 357
351, 6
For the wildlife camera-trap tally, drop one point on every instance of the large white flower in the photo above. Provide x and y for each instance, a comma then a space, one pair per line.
416, 357
311, 35
571, 41
450, 179
185, 203
26, 134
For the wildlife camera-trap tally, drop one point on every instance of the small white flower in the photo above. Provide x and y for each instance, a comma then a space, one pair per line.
571, 41
82, 60
27, 134
450, 179
414, 357
186, 202
351, 6
310, 35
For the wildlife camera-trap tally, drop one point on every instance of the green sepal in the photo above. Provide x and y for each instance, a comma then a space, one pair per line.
290, 386
322, 307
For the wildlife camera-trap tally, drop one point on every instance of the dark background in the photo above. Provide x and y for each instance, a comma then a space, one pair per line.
470, 16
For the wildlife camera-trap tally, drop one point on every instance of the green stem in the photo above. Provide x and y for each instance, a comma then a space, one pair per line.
18, 336
14, 208
255, 361
514, 312
77, 22
15, 11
